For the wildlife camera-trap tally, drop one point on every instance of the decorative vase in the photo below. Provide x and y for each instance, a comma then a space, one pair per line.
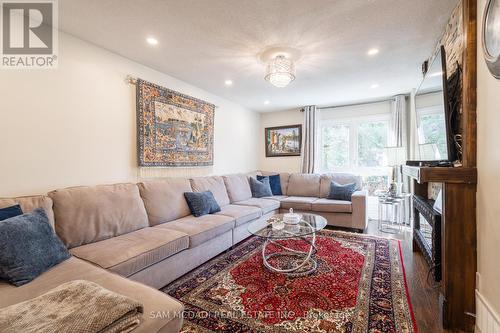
291, 217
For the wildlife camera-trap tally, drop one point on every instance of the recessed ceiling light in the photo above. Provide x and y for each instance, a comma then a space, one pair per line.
228, 83
375, 85
372, 52
152, 41
267, 102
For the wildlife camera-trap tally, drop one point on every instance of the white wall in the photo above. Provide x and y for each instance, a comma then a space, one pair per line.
488, 209
281, 118
76, 125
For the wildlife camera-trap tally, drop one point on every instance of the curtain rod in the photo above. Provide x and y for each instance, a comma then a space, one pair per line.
361, 103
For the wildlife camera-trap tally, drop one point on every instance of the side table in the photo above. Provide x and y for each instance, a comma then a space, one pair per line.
390, 213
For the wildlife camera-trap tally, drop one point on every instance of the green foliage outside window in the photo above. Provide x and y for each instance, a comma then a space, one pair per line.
372, 139
335, 146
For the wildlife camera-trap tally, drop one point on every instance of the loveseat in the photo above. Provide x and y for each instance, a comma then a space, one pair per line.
136, 238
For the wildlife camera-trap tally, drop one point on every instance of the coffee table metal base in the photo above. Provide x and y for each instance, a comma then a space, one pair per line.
302, 262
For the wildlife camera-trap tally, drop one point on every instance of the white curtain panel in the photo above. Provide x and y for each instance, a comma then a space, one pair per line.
399, 122
414, 151
311, 128
399, 131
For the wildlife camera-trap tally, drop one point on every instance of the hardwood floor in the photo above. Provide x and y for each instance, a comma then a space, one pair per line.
424, 294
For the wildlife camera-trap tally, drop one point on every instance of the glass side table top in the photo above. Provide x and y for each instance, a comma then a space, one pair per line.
309, 224
387, 195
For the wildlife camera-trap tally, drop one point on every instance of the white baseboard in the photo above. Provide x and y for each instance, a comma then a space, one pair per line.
487, 320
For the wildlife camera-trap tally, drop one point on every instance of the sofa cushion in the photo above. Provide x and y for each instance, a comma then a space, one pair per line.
213, 184
277, 197
28, 247
339, 178
201, 203
332, 206
237, 187
154, 301
130, 253
284, 179
30, 203
200, 229
298, 203
260, 188
303, 184
266, 205
241, 214
274, 183
11, 211
89, 214
164, 199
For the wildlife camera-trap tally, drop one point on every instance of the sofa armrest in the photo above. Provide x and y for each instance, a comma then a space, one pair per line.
359, 209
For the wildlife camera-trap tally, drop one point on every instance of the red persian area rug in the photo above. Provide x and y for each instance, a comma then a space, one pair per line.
359, 286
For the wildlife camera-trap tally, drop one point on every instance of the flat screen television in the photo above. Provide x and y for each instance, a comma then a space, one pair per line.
435, 140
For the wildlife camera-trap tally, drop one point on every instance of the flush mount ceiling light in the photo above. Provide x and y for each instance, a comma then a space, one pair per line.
280, 63
152, 41
280, 71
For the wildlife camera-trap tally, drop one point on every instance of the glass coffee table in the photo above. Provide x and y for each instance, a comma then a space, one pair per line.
278, 256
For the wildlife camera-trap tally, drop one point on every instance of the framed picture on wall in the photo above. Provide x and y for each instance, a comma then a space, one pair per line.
283, 141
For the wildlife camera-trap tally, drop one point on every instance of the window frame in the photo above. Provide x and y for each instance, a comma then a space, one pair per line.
353, 124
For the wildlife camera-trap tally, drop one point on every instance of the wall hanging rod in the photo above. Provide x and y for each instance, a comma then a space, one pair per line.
129, 79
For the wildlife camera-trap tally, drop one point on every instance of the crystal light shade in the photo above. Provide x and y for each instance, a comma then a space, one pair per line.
280, 71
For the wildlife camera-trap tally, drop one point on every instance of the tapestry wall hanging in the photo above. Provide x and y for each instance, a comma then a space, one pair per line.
173, 130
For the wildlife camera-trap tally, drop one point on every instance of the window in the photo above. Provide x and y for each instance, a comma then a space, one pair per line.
372, 139
356, 145
335, 140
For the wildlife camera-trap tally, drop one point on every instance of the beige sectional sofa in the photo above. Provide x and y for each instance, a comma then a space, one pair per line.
136, 238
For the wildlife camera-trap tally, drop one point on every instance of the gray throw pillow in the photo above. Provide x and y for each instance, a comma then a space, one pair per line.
201, 203
28, 247
341, 192
260, 188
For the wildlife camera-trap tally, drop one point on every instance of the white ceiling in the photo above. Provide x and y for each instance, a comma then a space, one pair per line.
205, 42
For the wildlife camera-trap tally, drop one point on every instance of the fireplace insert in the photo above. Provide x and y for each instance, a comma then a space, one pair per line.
427, 233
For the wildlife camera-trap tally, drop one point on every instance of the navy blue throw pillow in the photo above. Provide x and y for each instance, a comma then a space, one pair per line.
8, 212
28, 247
341, 192
260, 188
275, 183
201, 203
